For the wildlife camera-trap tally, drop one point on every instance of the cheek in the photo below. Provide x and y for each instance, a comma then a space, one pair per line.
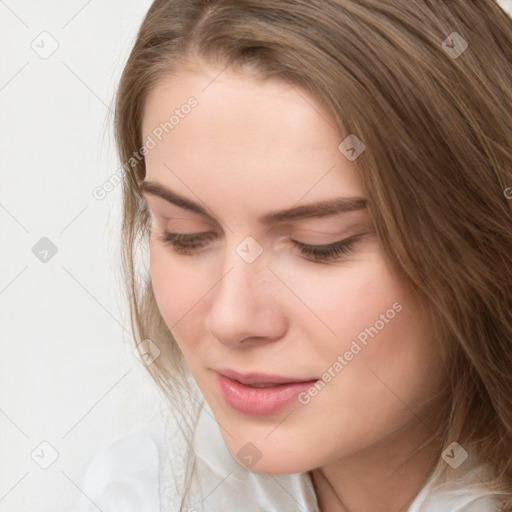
388, 363
372, 335
337, 303
178, 289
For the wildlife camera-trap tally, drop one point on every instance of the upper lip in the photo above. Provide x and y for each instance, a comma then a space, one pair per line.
259, 378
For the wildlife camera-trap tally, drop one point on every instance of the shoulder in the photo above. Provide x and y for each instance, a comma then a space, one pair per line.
123, 475
467, 493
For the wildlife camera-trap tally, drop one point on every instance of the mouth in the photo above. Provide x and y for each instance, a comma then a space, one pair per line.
259, 394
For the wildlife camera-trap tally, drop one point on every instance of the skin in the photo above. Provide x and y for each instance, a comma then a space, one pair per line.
248, 148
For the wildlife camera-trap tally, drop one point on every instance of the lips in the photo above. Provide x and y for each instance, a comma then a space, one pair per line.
259, 394
251, 379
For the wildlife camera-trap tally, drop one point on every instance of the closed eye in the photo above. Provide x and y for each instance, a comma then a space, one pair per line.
190, 244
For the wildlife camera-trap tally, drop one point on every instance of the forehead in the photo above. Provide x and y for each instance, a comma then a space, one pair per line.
248, 110
243, 138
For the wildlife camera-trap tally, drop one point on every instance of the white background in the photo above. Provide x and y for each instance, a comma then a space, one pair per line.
67, 372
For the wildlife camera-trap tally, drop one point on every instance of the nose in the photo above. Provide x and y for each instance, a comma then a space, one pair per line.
245, 308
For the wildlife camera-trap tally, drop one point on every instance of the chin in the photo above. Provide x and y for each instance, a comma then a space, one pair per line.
274, 461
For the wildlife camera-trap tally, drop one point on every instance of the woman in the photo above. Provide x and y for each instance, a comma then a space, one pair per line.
322, 187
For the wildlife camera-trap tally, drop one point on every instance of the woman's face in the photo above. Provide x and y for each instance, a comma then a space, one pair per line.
305, 354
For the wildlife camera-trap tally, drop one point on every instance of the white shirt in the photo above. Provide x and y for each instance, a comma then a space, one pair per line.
131, 475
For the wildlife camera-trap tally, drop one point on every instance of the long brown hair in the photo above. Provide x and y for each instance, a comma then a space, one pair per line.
427, 86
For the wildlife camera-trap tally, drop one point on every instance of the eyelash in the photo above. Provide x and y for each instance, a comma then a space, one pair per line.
187, 244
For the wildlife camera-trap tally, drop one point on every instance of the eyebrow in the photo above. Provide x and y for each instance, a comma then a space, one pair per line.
326, 208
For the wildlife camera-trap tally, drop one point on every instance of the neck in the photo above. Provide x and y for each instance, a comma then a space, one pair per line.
384, 477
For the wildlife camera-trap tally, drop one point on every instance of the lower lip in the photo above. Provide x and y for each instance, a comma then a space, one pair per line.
260, 401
